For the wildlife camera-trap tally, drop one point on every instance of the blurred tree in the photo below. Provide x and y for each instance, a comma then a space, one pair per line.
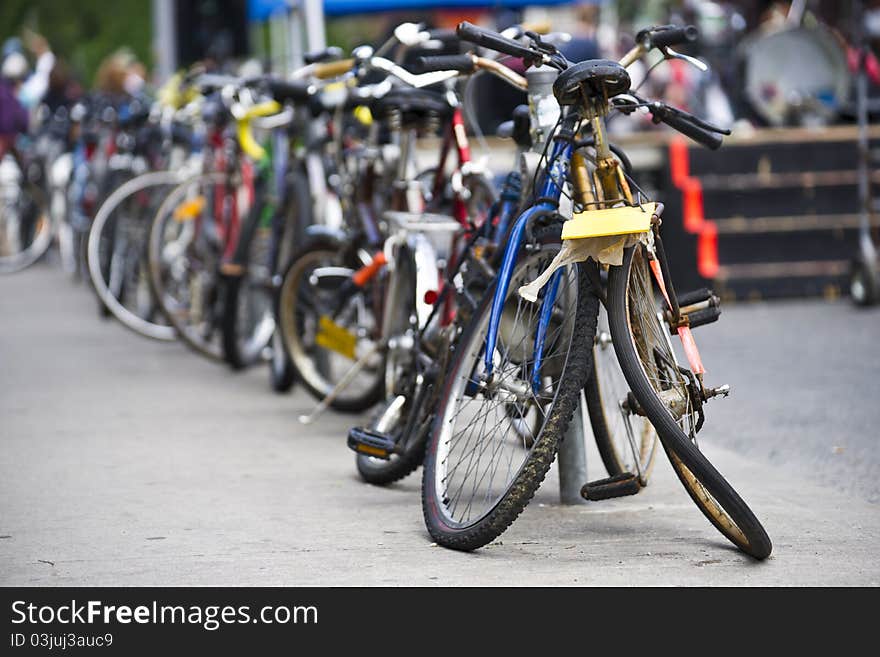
82, 32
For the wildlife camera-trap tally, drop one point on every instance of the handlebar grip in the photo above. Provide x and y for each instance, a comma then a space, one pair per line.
672, 35
296, 91
208, 82
492, 40
461, 63
333, 69
442, 34
682, 123
331, 53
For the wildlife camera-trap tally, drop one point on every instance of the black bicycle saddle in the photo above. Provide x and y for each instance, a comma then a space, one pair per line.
600, 77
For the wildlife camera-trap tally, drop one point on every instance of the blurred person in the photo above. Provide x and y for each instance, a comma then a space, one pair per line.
13, 115
17, 229
121, 75
113, 72
37, 84
583, 44
63, 89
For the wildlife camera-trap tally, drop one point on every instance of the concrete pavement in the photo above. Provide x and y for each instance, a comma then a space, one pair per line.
130, 462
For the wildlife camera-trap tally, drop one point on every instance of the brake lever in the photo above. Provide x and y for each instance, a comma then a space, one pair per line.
540, 44
693, 61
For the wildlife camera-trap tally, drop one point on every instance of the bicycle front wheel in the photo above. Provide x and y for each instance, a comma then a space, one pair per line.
662, 389
186, 245
483, 464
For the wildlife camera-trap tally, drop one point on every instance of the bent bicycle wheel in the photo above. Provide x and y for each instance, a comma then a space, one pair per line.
644, 349
480, 470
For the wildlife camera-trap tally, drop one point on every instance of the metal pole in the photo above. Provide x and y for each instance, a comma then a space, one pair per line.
295, 35
165, 38
316, 35
573, 456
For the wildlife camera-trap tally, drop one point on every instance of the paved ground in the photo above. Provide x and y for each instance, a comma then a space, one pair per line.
128, 462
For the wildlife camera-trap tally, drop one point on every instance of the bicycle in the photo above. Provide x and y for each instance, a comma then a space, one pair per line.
331, 301
615, 226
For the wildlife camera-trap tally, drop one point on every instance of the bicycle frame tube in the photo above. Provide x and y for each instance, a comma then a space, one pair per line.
543, 323
551, 190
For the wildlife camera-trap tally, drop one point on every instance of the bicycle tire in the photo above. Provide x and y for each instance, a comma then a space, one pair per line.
287, 313
129, 319
42, 240
710, 491
241, 351
504, 509
189, 335
400, 381
297, 214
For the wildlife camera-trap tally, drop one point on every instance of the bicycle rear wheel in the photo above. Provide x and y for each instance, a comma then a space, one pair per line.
663, 391
627, 442
325, 338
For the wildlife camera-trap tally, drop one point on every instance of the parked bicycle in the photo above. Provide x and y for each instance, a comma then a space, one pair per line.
529, 343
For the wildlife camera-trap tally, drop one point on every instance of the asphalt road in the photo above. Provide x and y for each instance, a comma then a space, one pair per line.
130, 462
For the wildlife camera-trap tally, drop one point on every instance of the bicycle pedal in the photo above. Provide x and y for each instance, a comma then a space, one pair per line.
372, 443
704, 316
625, 483
694, 297
701, 307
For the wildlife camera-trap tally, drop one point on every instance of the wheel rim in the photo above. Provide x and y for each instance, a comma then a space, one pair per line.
707, 502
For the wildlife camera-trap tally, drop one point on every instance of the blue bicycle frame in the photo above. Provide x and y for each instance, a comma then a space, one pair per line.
548, 203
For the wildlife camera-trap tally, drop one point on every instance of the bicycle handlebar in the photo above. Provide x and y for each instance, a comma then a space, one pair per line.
470, 63
663, 36
329, 54
333, 69
460, 63
688, 125
494, 41
442, 34
296, 91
